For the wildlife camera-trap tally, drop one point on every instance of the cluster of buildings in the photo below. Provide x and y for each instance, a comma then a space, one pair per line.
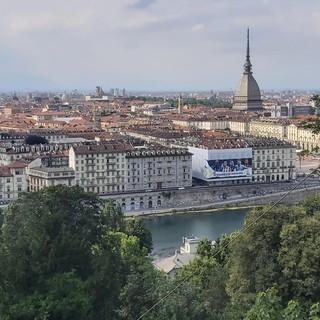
135, 151
130, 169
106, 167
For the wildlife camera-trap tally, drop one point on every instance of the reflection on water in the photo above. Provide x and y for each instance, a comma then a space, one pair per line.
167, 231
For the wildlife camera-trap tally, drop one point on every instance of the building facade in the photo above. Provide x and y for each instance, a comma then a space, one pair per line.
40, 177
262, 160
158, 168
273, 160
100, 168
13, 181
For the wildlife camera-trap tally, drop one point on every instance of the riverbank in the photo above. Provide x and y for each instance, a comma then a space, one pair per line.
295, 196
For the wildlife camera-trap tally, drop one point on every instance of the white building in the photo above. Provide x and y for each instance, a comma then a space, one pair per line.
100, 168
13, 180
222, 166
263, 159
188, 252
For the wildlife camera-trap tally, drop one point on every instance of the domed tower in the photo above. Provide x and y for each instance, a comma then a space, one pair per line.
247, 95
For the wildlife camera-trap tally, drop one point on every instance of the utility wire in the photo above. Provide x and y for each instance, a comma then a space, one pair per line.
246, 228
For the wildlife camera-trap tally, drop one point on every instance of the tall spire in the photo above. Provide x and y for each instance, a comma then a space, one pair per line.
247, 66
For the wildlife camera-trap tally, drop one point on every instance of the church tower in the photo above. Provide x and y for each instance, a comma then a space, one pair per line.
180, 104
247, 95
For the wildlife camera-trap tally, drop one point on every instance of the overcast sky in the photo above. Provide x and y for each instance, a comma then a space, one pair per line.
157, 44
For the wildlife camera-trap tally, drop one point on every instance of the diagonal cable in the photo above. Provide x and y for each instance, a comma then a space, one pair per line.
246, 228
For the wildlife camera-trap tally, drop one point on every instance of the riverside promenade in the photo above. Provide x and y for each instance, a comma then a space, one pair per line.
193, 200
295, 196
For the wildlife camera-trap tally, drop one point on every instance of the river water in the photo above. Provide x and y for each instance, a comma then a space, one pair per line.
168, 230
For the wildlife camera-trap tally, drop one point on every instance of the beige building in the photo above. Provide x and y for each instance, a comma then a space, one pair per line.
158, 168
114, 167
203, 124
9, 154
40, 177
303, 138
100, 168
268, 128
242, 127
273, 160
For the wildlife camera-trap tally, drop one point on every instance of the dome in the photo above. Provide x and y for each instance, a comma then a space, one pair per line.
247, 95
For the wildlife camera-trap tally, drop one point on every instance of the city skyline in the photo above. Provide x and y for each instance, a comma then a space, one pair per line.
150, 45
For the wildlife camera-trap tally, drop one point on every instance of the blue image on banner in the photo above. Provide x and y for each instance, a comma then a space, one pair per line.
228, 168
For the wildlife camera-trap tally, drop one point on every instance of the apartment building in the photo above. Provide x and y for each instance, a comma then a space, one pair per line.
100, 168
303, 138
249, 159
268, 128
10, 152
202, 123
52, 136
40, 177
240, 126
272, 159
158, 168
114, 167
12, 180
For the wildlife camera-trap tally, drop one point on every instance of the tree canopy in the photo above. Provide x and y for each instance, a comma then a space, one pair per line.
66, 254
67, 261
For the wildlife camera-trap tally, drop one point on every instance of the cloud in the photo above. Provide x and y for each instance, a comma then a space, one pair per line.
197, 27
141, 4
140, 43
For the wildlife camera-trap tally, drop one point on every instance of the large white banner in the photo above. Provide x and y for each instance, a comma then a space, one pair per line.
221, 164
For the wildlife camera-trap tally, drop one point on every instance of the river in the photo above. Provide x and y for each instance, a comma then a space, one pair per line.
168, 230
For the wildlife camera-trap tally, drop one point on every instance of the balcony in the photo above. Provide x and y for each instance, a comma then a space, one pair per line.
110, 164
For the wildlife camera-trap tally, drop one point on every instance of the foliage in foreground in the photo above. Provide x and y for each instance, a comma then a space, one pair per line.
65, 254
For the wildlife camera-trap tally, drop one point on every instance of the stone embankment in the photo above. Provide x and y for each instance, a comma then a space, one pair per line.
232, 197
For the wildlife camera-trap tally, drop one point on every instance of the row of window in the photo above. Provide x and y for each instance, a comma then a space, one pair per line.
274, 157
269, 151
103, 167
19, 188
8, 180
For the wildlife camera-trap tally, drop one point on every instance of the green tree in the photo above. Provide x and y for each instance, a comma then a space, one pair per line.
267, 306
114, 216
56, 259
210, 277
314, 123
136, 227
142, 290
312, 205
199, 271
315, 312
293, 311
254, 254
299, 257
219, 249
